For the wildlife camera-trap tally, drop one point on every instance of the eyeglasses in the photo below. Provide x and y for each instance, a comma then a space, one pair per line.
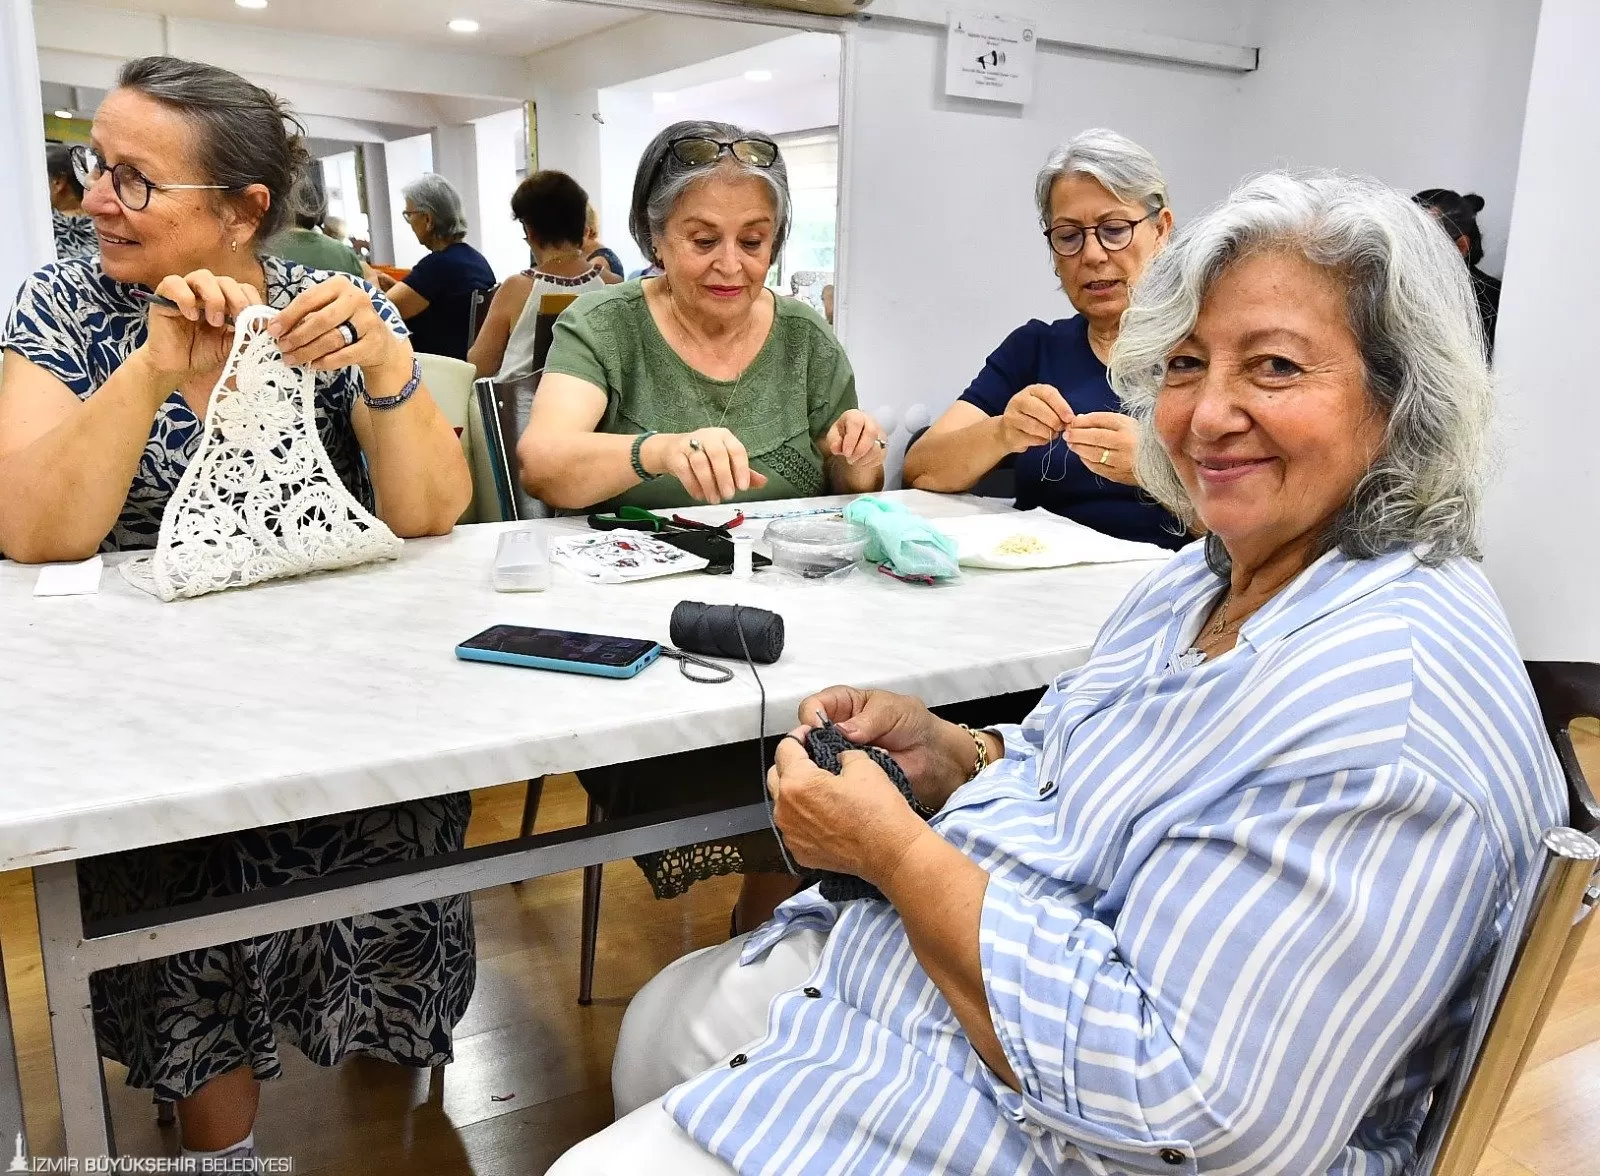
1113, 235
697, 151
132, 186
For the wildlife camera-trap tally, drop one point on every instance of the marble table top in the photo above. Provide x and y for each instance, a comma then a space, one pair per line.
127, 722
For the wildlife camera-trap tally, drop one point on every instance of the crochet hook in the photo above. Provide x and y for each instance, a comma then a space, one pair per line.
159, 300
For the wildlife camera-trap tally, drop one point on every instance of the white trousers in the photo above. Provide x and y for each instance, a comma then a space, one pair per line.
698, 1012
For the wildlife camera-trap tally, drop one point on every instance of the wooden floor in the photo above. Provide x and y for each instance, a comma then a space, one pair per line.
532, 1069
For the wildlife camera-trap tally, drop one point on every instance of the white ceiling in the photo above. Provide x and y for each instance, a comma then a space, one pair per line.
509, 28
800, 62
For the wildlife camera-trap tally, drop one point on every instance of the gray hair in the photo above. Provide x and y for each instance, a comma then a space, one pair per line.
436, 196
1411, 307
244, 135
1123, 168
661, 181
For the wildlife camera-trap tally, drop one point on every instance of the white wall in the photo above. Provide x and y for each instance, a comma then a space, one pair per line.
1422, 94
502, 163
25, 241
944, 256
407, 159
1544, 506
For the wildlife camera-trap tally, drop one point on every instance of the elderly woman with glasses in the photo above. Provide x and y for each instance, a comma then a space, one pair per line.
701, 385
435, 298
1221, 902
102, 408
1043, 397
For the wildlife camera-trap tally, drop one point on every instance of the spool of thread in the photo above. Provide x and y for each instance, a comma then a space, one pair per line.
713, 630
744, 546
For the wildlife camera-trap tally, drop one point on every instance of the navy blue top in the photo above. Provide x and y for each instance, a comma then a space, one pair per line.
1052, 476
447, 279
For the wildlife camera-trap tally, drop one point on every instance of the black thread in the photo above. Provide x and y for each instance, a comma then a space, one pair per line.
728, 630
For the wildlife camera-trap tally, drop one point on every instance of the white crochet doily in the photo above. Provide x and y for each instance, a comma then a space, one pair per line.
261, 500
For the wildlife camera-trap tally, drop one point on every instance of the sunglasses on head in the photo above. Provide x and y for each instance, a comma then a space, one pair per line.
698, 151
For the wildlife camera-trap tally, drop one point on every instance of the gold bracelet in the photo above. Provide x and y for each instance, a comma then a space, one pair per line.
982, 760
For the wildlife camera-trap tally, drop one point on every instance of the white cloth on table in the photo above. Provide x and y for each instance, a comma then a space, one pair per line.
698, 1012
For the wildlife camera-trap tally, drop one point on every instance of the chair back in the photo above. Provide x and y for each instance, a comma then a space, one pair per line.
1549, 919
544, 326
450, 383
501, 410
477, 307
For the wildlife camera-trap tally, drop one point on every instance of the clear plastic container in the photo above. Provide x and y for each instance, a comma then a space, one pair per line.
521, 562
816, 548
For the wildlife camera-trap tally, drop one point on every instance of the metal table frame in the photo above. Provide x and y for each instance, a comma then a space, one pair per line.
72, 951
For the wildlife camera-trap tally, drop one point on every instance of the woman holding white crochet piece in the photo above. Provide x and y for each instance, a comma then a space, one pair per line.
102, 409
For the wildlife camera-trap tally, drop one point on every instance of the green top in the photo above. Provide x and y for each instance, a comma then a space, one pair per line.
317, 250
796, 387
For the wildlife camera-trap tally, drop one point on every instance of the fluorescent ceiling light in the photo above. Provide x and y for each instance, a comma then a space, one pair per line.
251, 3
463, 25
63, 114
758, 75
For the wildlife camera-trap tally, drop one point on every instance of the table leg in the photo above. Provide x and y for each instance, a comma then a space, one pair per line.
80, 1078
11, 1129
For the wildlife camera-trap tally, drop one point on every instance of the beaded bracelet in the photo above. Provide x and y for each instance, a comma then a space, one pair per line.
638, 465
382, 402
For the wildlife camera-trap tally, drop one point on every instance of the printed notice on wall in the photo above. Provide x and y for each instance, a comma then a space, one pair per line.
989, 57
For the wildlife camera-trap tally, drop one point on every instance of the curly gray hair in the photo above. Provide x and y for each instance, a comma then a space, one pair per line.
1125, 169
661, 181
1412, 310
437, 196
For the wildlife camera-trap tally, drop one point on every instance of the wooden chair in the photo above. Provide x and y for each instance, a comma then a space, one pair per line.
544, 326
1549, 920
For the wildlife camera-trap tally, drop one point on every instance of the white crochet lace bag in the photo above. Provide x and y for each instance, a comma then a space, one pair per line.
261, 500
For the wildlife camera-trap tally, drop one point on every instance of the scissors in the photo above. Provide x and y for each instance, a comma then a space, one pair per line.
637, 518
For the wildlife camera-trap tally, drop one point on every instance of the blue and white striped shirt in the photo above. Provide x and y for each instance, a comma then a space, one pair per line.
1233, 915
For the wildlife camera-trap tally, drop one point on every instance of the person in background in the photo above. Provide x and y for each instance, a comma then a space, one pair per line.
1043, 395
1223, 902
435, 298
73, 231
550, 205
1458, 216
699, 386
102, 407
308, 245
333, 227
593, 250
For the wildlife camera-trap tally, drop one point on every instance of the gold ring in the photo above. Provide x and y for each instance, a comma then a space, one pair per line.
1105, 456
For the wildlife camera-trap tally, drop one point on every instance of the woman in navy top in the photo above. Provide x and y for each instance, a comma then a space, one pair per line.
436, 297
1043, 395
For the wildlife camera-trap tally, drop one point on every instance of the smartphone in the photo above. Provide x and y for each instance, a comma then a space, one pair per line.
560, 650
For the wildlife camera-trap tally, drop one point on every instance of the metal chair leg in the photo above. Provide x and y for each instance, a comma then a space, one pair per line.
590, 933
530, 805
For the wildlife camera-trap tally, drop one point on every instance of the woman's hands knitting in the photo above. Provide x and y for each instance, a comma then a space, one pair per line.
853, 823
938, 757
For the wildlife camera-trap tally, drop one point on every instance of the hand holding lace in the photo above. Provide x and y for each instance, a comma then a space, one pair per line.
196, 338
308, 331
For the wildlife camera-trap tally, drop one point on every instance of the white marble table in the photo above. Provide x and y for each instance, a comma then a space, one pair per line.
126, 722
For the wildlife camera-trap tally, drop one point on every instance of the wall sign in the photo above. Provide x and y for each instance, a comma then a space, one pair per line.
990, 57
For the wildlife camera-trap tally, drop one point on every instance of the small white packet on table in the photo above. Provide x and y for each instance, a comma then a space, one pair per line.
620, 557
72, 579
1018, 540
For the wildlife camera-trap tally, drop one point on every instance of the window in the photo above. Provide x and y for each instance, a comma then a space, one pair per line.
813, 161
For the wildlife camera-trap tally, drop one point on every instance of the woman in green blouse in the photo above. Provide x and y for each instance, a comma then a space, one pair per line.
700, 385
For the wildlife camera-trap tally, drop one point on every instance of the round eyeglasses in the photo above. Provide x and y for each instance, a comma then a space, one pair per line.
698, 151
131, 185
1113, 235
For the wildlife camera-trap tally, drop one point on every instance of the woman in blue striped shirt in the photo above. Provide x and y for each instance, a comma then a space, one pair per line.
1218, 903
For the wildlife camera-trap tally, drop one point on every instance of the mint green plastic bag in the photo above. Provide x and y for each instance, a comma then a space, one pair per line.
908, 543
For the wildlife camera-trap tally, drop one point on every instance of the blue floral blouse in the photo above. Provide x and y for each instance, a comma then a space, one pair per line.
79, 325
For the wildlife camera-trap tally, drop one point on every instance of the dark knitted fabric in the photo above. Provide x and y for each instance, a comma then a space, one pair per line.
826, 745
